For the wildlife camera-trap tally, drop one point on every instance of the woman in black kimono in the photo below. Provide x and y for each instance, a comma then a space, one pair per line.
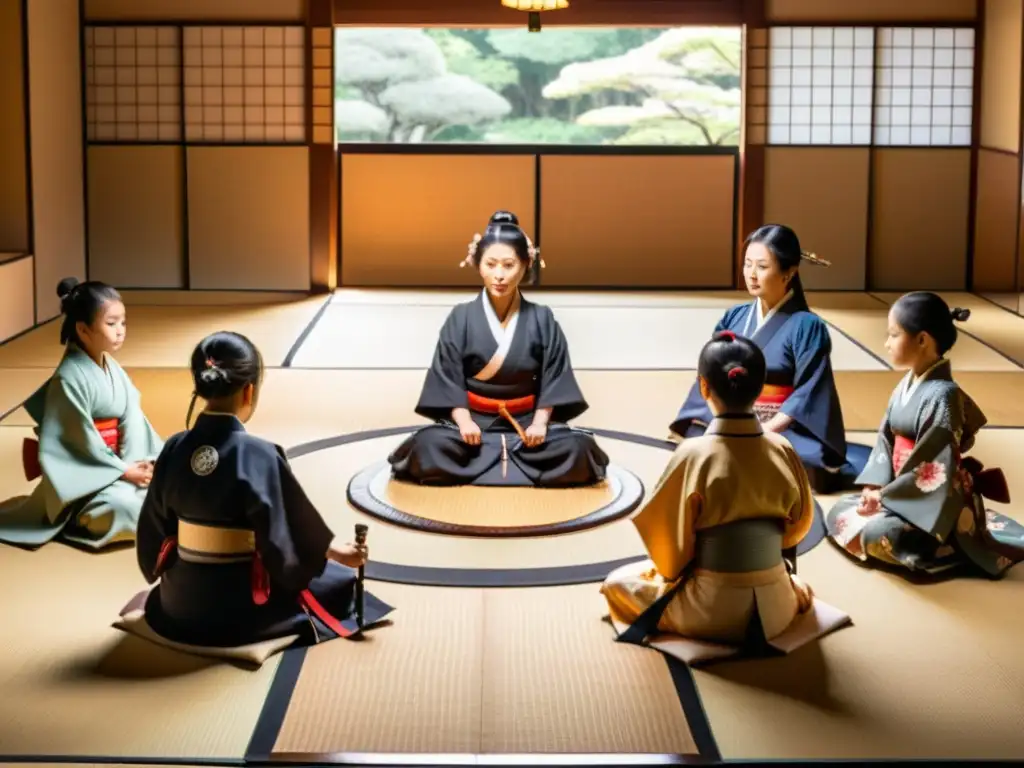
241, 553
501, 388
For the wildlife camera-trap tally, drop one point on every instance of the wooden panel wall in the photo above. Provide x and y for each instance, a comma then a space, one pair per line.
14, 208
407, 219
998, 197
136, 216
55, 114
17, 313
248, 218
920, 211
823, 194
638, 221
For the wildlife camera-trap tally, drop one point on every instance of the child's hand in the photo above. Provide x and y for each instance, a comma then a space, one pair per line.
870, 502
350, 555
140, 473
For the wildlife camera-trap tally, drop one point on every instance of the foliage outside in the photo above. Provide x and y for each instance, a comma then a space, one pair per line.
678, 86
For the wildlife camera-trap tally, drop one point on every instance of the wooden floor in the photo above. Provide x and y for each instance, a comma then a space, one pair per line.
926, 670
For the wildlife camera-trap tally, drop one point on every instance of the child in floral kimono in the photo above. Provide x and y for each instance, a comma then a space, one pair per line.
921, 506
96, 448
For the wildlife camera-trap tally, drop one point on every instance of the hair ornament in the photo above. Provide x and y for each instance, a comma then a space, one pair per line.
726, 335
959, 314
739, 370
210, 362
534, 251
471, 249
815, 259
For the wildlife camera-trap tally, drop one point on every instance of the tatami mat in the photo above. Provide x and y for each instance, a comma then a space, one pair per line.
926, 671
486, 671
993, 325
611, 337
72, 685
166, 335
1011, 301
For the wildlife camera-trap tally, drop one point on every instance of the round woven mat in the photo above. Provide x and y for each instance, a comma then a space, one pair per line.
494, 511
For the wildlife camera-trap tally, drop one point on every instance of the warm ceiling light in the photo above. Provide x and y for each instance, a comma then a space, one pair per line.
536, 5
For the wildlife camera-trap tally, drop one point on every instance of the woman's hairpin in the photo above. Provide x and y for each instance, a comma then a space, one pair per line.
534, 251
815, 259
737, 371
471, 250
210, 362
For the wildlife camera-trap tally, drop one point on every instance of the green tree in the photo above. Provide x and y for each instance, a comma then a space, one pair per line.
685, 77
395, 84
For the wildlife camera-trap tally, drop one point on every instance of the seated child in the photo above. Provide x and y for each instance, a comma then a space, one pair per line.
96, 448
241, 553
717, 523
921, 507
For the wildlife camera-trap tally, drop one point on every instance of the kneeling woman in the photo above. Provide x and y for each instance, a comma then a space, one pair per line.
717, 523
501, 387
241, 553
96, 447
921, 507
799, 400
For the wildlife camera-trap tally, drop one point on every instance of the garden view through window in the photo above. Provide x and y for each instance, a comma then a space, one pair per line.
572, 86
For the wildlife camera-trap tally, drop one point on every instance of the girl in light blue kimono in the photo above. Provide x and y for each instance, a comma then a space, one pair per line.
799, 399
95, 447
921, 507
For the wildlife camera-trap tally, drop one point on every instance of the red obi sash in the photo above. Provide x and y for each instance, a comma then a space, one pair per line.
770, 401
514, 407
507, 409
973, 477
109, 430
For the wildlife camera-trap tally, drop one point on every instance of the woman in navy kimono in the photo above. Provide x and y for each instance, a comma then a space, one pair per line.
501, 387
241, 554
799, 399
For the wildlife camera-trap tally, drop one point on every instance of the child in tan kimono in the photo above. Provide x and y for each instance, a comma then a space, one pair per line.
716, 525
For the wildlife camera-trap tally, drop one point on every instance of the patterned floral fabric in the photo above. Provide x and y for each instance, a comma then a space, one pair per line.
931, 515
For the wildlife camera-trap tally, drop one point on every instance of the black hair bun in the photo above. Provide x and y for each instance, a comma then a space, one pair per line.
66, 286
959, 314
505, 217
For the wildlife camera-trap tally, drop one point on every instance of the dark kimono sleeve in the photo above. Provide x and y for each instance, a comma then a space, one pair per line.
156, 524
559, 389
291, 536
878, 470
445, 385
814, 404
695, 408
926, 492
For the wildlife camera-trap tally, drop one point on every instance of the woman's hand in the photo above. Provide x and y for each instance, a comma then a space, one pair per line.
468, 429
870, 502
780, 422
140, 474
350, 555
536, 434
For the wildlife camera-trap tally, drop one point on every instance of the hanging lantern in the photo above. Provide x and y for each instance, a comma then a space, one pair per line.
534, 8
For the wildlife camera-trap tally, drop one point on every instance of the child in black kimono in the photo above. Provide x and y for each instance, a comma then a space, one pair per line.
241, 553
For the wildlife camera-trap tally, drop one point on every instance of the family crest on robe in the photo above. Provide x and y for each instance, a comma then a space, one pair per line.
502, 375
239, 549
932, 515
799, 383
90, 429
715, 527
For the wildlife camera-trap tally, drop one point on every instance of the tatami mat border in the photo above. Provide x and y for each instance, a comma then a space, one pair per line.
287, 363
